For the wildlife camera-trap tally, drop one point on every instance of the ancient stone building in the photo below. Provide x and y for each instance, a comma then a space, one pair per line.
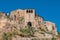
29, 16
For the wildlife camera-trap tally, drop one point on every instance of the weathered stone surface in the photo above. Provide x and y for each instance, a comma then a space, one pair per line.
25, 25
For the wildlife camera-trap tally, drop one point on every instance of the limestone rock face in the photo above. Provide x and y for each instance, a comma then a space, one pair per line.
50, 27
25, 25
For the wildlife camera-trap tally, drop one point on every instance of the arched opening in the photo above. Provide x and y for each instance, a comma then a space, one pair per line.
29, 24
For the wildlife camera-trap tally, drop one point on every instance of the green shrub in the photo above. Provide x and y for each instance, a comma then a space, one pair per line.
25, 31
53, 38
5, 37
21, 18
28, 30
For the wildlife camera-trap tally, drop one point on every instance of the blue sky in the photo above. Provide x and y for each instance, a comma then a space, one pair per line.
48, 9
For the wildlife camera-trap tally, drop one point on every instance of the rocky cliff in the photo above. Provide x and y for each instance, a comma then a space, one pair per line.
26, 25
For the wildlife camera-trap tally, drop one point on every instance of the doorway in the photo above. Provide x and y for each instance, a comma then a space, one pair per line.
29, 24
